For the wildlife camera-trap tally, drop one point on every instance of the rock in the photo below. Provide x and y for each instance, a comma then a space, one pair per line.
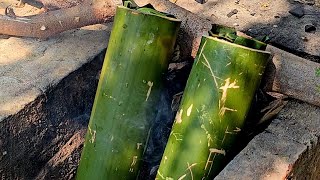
58, 4
233, 12
287, 149
201, 1
293, 76
310, 28
35, 66
308, 2
304, 39
297, 12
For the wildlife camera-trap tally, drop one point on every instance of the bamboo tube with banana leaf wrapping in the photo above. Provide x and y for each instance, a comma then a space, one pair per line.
215, 103
141, 42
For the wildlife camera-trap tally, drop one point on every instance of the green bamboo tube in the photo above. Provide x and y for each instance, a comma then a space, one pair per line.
216, 101
128, 91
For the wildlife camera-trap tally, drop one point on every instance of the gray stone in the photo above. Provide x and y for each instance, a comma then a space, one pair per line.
297, 12
201, 1
266, 157
233, 12
283, 149
293, 76
309, 2
28, 67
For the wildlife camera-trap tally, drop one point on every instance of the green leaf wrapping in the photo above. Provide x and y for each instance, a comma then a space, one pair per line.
127, 95
215, 103
230, 34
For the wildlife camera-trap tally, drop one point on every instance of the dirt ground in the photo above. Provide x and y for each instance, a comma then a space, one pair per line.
272, 18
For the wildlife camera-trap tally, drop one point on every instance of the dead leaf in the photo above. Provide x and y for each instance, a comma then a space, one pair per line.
177, 66
176, 101
272, 110
277, 95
